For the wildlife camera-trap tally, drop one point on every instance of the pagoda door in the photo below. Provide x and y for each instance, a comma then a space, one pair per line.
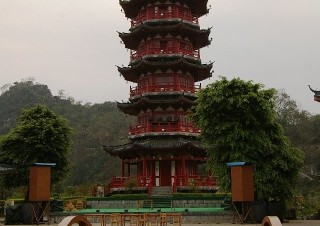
165, 173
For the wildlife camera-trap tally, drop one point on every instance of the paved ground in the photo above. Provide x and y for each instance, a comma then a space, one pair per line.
291, 223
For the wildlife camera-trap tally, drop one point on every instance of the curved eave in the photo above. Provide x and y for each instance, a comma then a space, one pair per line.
199, 38
131, 8
155, 146
316, 94
144, 103
198, 71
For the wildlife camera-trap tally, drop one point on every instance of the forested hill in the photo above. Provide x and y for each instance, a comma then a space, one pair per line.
93, 126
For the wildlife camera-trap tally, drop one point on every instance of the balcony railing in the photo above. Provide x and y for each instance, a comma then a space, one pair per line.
148, 49
163, 127
163, 87
147, 181
175, 13
119, 182
194, 181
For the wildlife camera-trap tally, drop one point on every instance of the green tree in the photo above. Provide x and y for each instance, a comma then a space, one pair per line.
40, 135
238, 123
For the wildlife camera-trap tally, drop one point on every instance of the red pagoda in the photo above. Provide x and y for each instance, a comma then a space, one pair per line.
164, 41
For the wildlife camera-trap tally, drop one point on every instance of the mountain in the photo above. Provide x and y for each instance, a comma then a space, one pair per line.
93, 126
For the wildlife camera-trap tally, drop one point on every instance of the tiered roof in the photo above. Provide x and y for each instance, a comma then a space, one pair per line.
145, 103
198, 37
155, 145
151, 64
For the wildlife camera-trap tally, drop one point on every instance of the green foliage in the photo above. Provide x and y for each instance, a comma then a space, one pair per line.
93, 125
238, 123
303, 130
192, 186
131, 184
40, 135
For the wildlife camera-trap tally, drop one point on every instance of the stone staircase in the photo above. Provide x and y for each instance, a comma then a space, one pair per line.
164, 191
161, 197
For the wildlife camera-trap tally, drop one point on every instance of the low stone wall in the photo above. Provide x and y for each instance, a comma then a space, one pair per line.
125, 204
206, 218
206, 203
114, 204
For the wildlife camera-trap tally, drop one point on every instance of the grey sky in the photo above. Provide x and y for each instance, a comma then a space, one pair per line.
73, 45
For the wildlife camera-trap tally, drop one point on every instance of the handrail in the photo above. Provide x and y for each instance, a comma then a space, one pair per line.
164, 87
179, 181
175, 13
164, 127
149, 49
142, 181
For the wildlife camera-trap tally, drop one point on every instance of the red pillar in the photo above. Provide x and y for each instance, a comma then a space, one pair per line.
183, 170
144, 170
144, 167
122, 168
129, 170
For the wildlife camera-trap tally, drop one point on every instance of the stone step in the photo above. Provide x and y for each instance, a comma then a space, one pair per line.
161, 191
164, 202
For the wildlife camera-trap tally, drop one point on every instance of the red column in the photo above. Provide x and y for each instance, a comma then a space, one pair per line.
183, 170
144, 167
129, 170
122, 168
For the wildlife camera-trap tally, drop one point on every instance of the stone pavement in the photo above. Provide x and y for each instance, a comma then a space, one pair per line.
290, 223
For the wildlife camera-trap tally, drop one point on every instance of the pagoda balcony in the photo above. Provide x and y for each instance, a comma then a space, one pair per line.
175, 13
123, 183
163, 88
117, 183
174, 49
139, 181
164, 127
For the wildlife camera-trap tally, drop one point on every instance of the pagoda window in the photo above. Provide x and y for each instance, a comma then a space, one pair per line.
142, 120
164, 79
163, 44
184, 119
185, 46
186, 82
161, 10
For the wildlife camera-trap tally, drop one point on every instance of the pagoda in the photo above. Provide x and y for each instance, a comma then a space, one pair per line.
164, 42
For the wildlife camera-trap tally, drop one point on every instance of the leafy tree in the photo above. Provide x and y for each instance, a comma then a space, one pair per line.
302, 128
238, 123
40, 135
93, 126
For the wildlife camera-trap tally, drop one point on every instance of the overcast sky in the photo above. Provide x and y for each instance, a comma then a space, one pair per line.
73, 45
